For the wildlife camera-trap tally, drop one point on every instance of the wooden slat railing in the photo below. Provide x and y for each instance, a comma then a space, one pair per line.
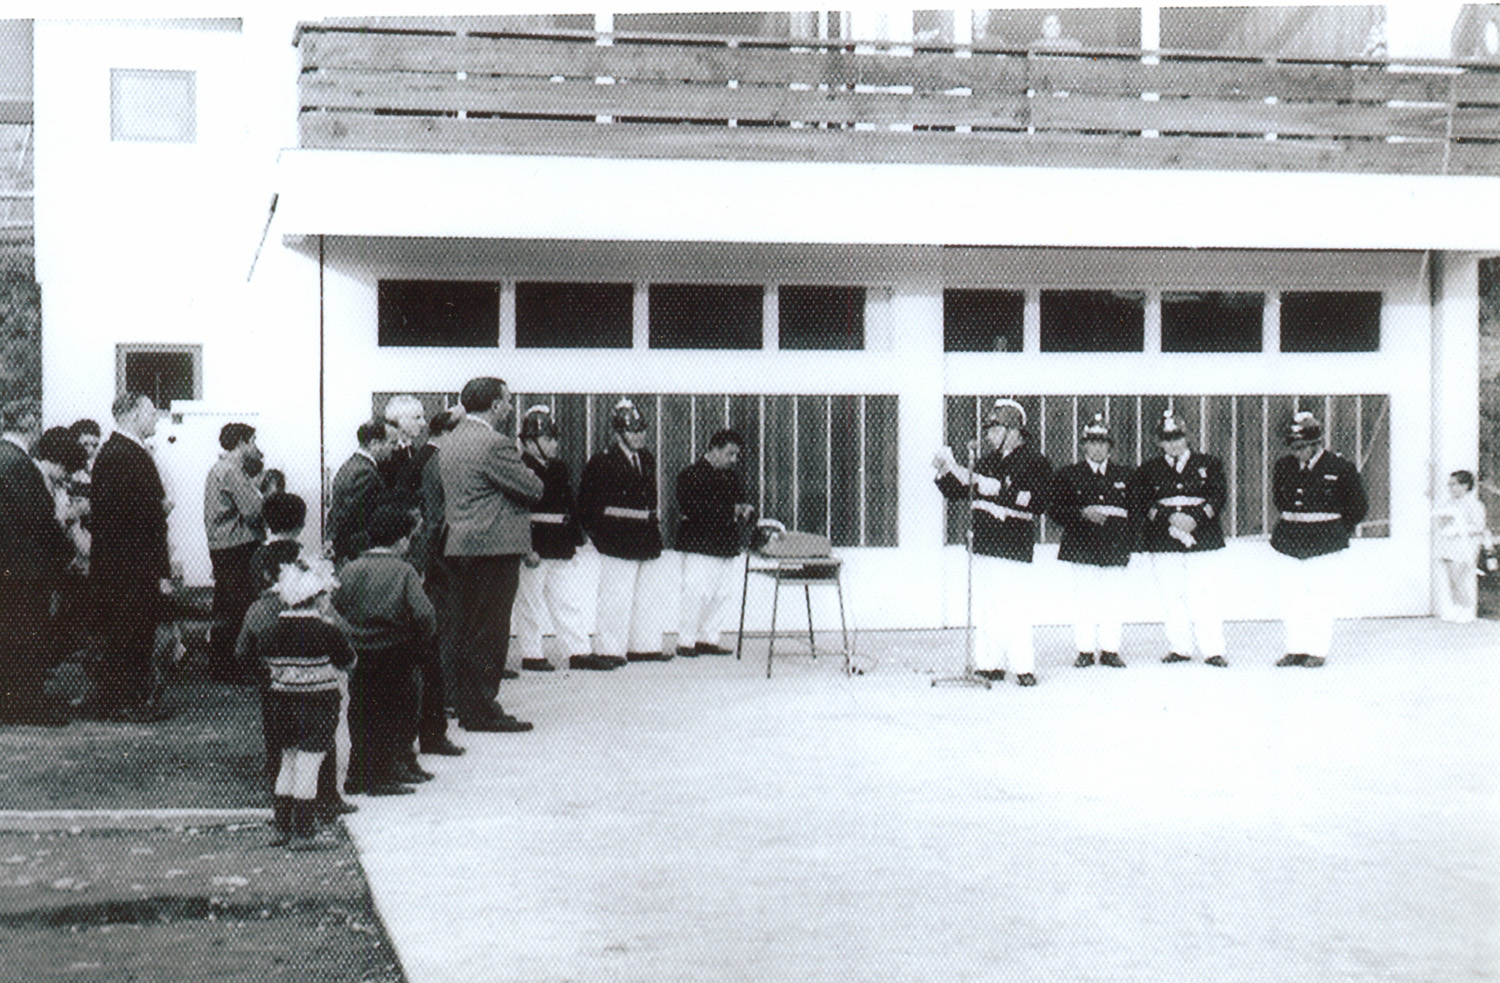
445, 86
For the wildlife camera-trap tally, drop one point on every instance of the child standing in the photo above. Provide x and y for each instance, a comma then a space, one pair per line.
390, 622
1461, 527
303, 654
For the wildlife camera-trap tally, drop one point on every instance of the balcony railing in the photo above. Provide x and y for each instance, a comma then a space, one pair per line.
433, 85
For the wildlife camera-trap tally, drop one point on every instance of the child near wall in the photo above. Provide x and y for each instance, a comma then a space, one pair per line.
1460, 529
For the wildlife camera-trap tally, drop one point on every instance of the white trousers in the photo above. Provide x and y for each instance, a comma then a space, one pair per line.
1002, 614
708, 584
1098, 607
1310, 594
551, 595
1191, 589
631, 616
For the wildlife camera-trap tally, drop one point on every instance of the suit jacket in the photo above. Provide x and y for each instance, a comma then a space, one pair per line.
609, 483
487, 492
357, 490
1332, 486
1076, 487
33, 546
129, 522
1158, 491
1005, 523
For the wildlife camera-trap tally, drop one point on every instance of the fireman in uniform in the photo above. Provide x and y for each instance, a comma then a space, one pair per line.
550, 589
1006, 488
1177, 499
1090, 500
617, 503
1321, 500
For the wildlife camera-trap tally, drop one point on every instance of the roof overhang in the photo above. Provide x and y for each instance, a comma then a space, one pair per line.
359, 193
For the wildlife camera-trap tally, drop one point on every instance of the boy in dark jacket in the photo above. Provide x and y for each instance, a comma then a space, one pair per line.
712, 503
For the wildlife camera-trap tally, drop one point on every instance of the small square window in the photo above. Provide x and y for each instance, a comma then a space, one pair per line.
1211, 322
152, 106
701, 315
438, 313
822, 318
1330, 321
574, 315
1093, 321
983, 320
162, 372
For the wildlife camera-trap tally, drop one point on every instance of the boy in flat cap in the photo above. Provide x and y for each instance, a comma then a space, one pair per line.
1321, 500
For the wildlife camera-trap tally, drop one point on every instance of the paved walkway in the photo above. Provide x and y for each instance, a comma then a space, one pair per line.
696, 822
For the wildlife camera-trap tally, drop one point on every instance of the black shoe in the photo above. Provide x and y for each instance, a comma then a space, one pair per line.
1313, 661
1174, 657
648, 656
411, 775
442, 746
497, 725
598, 663
379, 788
687, 652
1084, 660
509, 674
993, 675
1026, 679
1217, 660
334, 808
537, 665
1111, 659
704, 648
1292, 659
613, 661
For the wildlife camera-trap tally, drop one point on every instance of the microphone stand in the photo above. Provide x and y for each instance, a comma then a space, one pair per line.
968, 677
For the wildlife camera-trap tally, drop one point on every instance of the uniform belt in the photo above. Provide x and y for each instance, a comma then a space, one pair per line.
1002, 512
1181, 501
551, 518
1311, 516
615, 512
1113, 510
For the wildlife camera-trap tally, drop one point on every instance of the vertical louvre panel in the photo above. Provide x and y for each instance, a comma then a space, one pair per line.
1343, 427
882, 483
1218, 440
781, 467
744, 416
674, 451
812, 464
1250, 427
846, 428
960, 415
1059, 427
1122, 420
1375, 414
571, 412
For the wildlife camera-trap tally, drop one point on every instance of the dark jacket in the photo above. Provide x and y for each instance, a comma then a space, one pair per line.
33, 546
706, 497
610, 483
1199, 491
1005, 524
357, 491
1076, 487
1331, 485
555, 532
129, 522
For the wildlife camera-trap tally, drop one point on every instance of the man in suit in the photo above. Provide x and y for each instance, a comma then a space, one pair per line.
406, 420
34, 551
232, 519
358, 490
1090, 499
1322, 501
130, 565
487, 492
1178, 498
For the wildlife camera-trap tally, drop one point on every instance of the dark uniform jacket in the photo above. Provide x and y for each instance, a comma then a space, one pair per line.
1005, 524
1076, 487
129, 522
1330, 486
1199, 491
706, 497
555, 533
33, 545
617, 505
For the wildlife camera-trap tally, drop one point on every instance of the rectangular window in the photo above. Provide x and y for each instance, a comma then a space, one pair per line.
1093, 320
1330, 321
163, 372
1211, 321
573, 315
822, 318
702, 315
983, 320
439, 314
152, 105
